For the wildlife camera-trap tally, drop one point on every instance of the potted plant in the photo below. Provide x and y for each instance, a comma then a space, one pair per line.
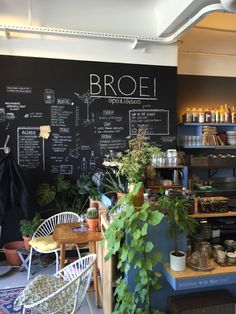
28, 227
127, 238
132, 163
65, 195
114, 183
179, 222
92, 218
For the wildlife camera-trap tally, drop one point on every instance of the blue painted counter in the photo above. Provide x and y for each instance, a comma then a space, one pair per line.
164, 244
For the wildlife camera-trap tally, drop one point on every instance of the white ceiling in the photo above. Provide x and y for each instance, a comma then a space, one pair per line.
149, 18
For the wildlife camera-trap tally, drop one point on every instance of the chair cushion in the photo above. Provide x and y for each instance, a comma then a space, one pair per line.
44, 243
43, 286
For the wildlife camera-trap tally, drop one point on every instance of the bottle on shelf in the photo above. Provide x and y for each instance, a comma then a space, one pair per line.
217, 115
208, 115
195, 116
213, 115
228, 114
222, 114
187, 116
233, 115
201, 115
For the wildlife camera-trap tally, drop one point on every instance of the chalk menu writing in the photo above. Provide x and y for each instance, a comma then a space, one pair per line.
155, 122
91, 108
30, 152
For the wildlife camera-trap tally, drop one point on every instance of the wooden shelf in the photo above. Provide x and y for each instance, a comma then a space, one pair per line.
210, 124
208, 146
195, 279
212, 215
170, 167
157, 188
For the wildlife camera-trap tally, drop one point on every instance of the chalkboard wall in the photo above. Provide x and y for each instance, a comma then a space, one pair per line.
91, 107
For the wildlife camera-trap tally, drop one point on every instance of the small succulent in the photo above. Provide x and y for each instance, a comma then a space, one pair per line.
92, 213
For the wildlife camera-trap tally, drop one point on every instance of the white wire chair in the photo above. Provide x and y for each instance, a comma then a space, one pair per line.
46, 229
65, 300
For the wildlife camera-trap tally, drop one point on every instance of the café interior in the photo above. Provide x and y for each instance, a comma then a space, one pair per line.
122, 115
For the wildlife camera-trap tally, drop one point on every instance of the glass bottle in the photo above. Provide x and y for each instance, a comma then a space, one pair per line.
226, 113
233, 115
229, 116
189, 117
195, 117
201, 115
217, 115
213, 115
222, 114
208, 115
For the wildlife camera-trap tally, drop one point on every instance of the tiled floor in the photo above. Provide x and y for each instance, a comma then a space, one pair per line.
15, 278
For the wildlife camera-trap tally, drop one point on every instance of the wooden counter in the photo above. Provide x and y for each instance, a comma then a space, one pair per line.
193, 279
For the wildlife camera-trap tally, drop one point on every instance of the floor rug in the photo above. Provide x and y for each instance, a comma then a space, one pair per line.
7, 298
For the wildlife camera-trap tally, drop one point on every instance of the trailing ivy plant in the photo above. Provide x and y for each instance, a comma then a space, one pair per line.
127, 236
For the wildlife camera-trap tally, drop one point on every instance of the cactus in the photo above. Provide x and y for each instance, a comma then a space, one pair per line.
92, 213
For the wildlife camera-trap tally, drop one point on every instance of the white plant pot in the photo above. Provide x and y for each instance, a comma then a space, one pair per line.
177, 263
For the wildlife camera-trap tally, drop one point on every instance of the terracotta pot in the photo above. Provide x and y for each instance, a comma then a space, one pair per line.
26, 242
138, 198
92, 224
11, 253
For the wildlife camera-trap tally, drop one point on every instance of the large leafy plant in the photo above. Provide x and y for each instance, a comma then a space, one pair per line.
127, 236
65, 195
28, 227
177, 217
133, 161
114, 183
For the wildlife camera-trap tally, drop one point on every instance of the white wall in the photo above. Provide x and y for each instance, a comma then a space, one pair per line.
106, 50
207, 52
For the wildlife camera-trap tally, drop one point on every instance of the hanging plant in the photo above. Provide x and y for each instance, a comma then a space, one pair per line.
127, 236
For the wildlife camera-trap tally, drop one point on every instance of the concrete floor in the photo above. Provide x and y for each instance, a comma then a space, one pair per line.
15, 278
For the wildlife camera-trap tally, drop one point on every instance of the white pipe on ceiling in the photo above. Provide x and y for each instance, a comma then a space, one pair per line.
76, 33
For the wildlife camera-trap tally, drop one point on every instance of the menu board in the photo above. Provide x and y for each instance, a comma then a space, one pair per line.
90, 107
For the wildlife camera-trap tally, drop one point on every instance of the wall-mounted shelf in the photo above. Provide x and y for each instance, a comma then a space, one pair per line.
210, 124
209, 146
170, 167
213, 215
192, 279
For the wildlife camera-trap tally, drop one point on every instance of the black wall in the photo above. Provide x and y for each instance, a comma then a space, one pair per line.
91, 107
86, 112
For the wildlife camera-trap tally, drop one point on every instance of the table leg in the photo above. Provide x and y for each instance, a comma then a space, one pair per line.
92, 249
62, 257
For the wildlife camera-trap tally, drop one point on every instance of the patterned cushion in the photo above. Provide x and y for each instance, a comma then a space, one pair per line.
43, 286
44, 243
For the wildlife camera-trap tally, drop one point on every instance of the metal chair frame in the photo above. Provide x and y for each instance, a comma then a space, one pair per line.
47, 228
77, 274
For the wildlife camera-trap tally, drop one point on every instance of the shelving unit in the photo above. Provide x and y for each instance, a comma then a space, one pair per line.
192, 279
212, 215
155, 188
195, 129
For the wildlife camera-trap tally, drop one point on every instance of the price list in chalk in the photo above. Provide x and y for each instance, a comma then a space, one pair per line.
30, 148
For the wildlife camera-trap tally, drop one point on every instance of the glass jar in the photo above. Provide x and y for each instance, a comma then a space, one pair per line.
198, 238
206, 247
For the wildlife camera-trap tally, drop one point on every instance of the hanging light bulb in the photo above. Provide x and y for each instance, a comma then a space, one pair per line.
229, 5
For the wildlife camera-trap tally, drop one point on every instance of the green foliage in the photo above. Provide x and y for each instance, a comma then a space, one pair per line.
113, 183
133, 161
28, 227
65, 195
177, 217
134, 250
92, 213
